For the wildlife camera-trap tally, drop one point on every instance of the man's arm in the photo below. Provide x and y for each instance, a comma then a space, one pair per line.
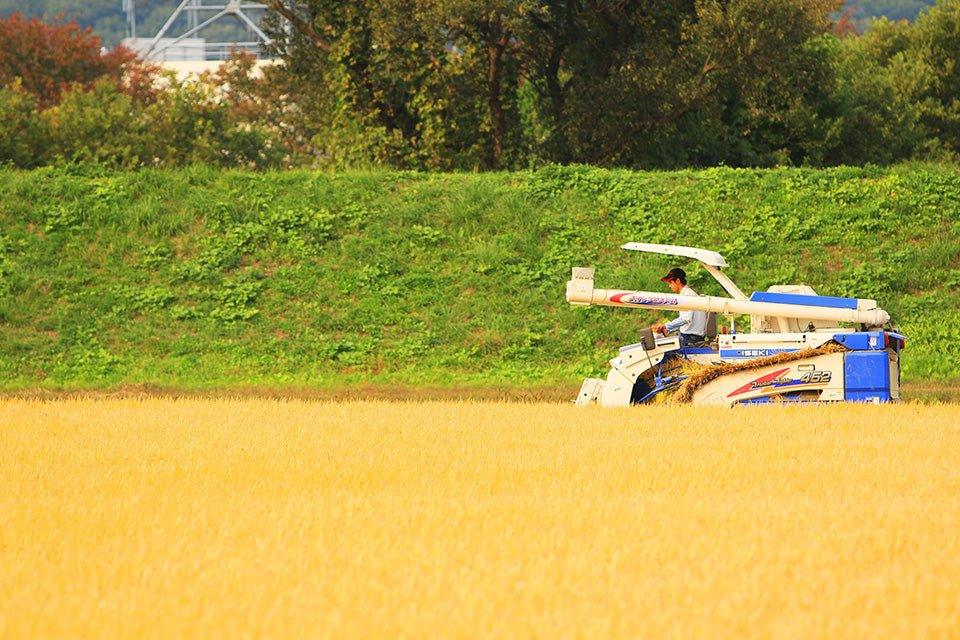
681, 321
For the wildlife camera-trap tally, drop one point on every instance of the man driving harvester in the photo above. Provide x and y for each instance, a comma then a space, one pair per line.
692, 325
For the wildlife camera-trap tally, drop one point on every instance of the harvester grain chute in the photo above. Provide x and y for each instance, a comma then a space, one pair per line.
801, 347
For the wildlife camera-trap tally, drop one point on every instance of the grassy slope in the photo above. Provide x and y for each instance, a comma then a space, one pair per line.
200, 278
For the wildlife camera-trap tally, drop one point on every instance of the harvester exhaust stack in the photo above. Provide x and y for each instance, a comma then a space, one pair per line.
829, 360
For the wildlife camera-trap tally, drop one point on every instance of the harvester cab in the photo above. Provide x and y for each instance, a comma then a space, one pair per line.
801, 346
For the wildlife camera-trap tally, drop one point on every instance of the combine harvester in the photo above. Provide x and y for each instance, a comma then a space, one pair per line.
796, 350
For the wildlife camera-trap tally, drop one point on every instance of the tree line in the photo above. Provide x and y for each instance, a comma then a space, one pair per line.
502, 84
107, 21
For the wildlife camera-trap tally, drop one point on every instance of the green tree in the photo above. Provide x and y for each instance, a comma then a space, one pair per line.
354, 108
921, 65
490, 28
607, 72
388, 82
755, 80
935, 55
869, 117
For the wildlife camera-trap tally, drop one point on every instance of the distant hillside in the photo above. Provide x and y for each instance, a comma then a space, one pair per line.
865, 10
108, 20
201, 278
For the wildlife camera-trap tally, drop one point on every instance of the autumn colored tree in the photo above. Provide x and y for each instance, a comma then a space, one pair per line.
49, 57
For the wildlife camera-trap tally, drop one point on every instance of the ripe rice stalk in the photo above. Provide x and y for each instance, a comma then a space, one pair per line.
200, 518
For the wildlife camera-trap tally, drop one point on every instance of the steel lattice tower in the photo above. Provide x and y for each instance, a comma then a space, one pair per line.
200, 14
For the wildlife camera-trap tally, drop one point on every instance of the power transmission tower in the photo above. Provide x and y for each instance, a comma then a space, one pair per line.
130, 8
199, 14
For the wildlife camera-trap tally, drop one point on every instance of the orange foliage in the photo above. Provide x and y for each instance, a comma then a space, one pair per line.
48, 58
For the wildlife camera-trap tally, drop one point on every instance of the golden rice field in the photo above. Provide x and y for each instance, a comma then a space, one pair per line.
220, 518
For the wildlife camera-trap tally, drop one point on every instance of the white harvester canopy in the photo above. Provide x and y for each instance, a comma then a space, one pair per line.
712, 261
705, 256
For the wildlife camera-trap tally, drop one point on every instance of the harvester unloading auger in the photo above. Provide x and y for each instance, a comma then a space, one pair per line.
796, 350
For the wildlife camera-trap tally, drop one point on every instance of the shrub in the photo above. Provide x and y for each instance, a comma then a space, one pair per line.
187, 123
23, 134
101, 125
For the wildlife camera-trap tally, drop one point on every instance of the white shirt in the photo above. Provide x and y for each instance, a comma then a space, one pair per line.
689, 322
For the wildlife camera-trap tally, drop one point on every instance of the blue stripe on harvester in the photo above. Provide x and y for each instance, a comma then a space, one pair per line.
799, 298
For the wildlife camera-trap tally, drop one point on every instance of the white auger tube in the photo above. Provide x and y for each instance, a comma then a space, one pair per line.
580, 291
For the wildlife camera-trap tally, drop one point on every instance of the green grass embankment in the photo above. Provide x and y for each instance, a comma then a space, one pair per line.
200, 279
